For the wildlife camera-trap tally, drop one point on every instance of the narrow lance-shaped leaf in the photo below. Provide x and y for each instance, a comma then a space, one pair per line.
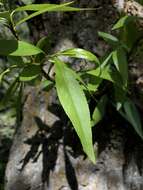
104, 73
19, 104
109, 38
29, 73
5, 18
132, 115
10, 91
5, 14
18, 48
3, 74
80, 53
75, 105
40, 9
99, 110
122, 22
46, 85
120, 62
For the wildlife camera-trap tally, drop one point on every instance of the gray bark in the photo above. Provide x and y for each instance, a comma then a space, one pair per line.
46, 153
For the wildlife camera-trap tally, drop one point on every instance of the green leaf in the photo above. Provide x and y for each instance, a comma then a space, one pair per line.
80, 53
92, 85
104, 73
132, 115
44, 44
120, 95
19, 104
109, 38
29, 73
122, 22
5, 15
9, 93
75, 105
106, 60
4, 73
121, 64
46, 85
130, 34
18, 48
14, 60
108, 74
90, 82
42, 8
99, 111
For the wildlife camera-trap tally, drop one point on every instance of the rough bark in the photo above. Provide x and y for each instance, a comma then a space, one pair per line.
46, 153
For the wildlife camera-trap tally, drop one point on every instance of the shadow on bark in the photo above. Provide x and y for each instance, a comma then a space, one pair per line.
49, 139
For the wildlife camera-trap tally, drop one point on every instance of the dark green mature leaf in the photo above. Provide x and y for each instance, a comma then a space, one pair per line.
106, 60
109, 38
121, 64
46, 85
92, 83
19, 104
14, 60
80, 53
9, 93
29, 73
99, 111
132, 115
2, 74
5, 15
120, 95
5, 18
130, 34
44, 44
75, 105
18, 48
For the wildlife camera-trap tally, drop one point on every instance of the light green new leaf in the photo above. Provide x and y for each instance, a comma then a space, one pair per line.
104, 73
75, 105
99, 111
40, 9
122, 21
132, 115
107, 74
80, 53
18, 48
121, 64
109, 38
29, 73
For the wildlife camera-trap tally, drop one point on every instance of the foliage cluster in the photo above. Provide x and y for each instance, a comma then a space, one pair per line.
74, 89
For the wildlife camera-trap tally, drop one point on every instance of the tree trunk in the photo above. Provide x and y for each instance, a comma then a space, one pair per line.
46, 153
